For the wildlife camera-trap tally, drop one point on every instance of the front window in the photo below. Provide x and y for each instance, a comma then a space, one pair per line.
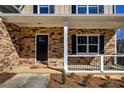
88, 9
82, 9
93, 9
119, 9
120, 45
87, 44
120, 41
46, 9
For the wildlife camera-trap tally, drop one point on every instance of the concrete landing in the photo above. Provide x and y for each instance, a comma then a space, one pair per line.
27, 80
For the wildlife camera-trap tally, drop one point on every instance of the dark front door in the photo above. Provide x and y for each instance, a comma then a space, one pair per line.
42, 48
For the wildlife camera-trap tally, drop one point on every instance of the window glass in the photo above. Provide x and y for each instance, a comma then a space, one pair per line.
120, 46
89, 9
82, 48
119, 9
93, 9
101, 9
82, 39
43, 9
51, 9
93, 39
120, 40
87, 44
82, 9
93, 48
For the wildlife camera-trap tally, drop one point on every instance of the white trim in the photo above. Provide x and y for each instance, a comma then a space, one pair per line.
114, 9
115, 58
36, 46
87, 9
72, 71
1, 20
66, 46
38, 10
102, 63
82, 55
113, 71
103, 15
94, 55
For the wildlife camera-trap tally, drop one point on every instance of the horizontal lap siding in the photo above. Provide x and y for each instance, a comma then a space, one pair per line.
28, 9
62, 9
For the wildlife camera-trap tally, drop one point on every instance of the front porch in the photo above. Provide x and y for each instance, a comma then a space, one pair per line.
61, 48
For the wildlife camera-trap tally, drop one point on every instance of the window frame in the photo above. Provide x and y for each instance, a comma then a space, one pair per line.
115, 11
38, 9
94, 6
116, 46
87, 45
77, 6
87, 9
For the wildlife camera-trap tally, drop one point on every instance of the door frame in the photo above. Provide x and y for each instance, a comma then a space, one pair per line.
36, 46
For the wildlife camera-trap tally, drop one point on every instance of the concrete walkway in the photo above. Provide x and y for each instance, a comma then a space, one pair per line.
27, 80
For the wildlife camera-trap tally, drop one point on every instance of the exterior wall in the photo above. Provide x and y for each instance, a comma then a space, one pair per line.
18, 44
64, 9
8, 55
108, 9
28, 9
109, 48
24, 41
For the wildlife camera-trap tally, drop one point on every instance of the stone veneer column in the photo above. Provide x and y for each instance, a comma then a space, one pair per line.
8, 54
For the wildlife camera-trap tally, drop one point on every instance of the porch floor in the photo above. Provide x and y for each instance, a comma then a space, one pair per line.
33, 68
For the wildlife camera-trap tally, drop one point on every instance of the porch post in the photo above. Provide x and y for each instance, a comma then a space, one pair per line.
65, 46
115, 57
102, 63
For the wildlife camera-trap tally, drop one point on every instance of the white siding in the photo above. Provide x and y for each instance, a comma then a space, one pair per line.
108, 9
28, 9
62, 9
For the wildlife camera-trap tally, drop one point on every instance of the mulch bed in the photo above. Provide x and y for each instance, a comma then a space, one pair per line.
5, 76
75, 81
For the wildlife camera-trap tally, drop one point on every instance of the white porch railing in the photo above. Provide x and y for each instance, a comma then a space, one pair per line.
96, 63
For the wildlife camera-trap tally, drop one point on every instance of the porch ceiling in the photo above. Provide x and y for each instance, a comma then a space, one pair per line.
75, 21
